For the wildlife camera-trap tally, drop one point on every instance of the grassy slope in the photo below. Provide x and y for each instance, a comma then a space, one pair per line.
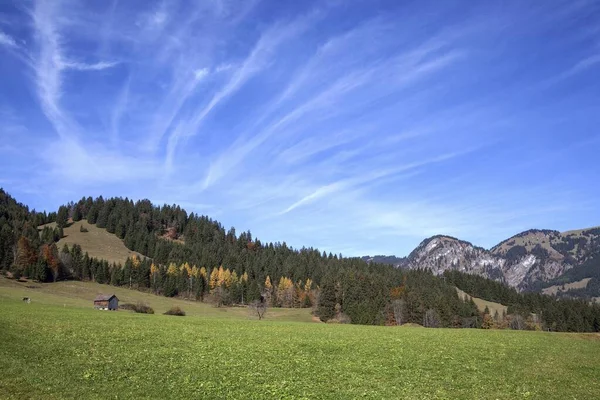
532, 239
481, 304
75, 294
578, 232
48, 351
97, 242
573, 285
529, 241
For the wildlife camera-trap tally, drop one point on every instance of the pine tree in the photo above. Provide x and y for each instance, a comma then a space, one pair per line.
77, 213
253, 292
62, 217
327, 301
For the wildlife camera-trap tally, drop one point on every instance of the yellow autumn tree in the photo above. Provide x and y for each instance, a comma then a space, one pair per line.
244, 278
226, 278
285, 292
299, 294
268, 290
214, 278
172, 270
268, 284
306, 297
221, 276
135, 261
195, 272
308, 285
203, 275
154, 271
186, 267
234, 277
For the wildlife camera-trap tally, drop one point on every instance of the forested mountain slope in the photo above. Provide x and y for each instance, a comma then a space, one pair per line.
399, 262
530, 260
195, 257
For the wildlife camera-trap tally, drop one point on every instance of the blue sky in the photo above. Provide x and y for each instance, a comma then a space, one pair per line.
359, 127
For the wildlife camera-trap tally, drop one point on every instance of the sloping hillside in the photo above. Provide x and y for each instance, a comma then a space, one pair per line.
97, 242
482, 304
555, 289
529, 240
572, 246
81, 295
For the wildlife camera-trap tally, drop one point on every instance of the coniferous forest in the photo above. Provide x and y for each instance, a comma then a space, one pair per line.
195, 257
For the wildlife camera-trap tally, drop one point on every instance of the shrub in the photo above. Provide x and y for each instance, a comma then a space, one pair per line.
176, 311
141, 308
82, 229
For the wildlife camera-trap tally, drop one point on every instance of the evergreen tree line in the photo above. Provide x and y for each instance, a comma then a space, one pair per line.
193, 256
572, 315
17, 221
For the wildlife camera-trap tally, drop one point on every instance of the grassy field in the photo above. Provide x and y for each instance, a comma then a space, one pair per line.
97, 241
51, 351
75, 294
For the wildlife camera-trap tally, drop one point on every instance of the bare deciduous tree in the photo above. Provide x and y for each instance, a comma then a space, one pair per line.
220, 295
517, 322
67, 261
399, 306
258, 307
431, 319
470, 322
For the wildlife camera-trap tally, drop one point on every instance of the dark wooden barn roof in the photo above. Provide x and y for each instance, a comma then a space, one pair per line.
104, 297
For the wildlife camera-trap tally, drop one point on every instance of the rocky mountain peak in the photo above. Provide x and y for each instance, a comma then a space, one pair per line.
522, 261
536, 255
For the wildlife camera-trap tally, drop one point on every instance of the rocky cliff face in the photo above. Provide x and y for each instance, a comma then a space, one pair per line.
522, 261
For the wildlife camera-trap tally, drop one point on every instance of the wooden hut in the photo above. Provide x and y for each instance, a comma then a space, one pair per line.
106, 302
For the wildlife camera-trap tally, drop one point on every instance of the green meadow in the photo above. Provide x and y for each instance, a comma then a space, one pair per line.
59, 347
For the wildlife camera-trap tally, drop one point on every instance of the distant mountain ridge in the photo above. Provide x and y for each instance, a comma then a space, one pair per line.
529, 260
398, 262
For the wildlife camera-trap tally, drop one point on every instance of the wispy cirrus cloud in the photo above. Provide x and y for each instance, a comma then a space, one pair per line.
79, 164
371, 177
256, 61
7, 40
79, 66
579, 67
398, 72
350, 127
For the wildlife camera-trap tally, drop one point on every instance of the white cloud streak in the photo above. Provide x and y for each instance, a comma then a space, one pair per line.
79, 66
258, 59
308, 123
399, 72
7, 40
369, 178
77, 163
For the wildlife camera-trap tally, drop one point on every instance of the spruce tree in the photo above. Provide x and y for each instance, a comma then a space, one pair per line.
62, 217
327, 301
77, 213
